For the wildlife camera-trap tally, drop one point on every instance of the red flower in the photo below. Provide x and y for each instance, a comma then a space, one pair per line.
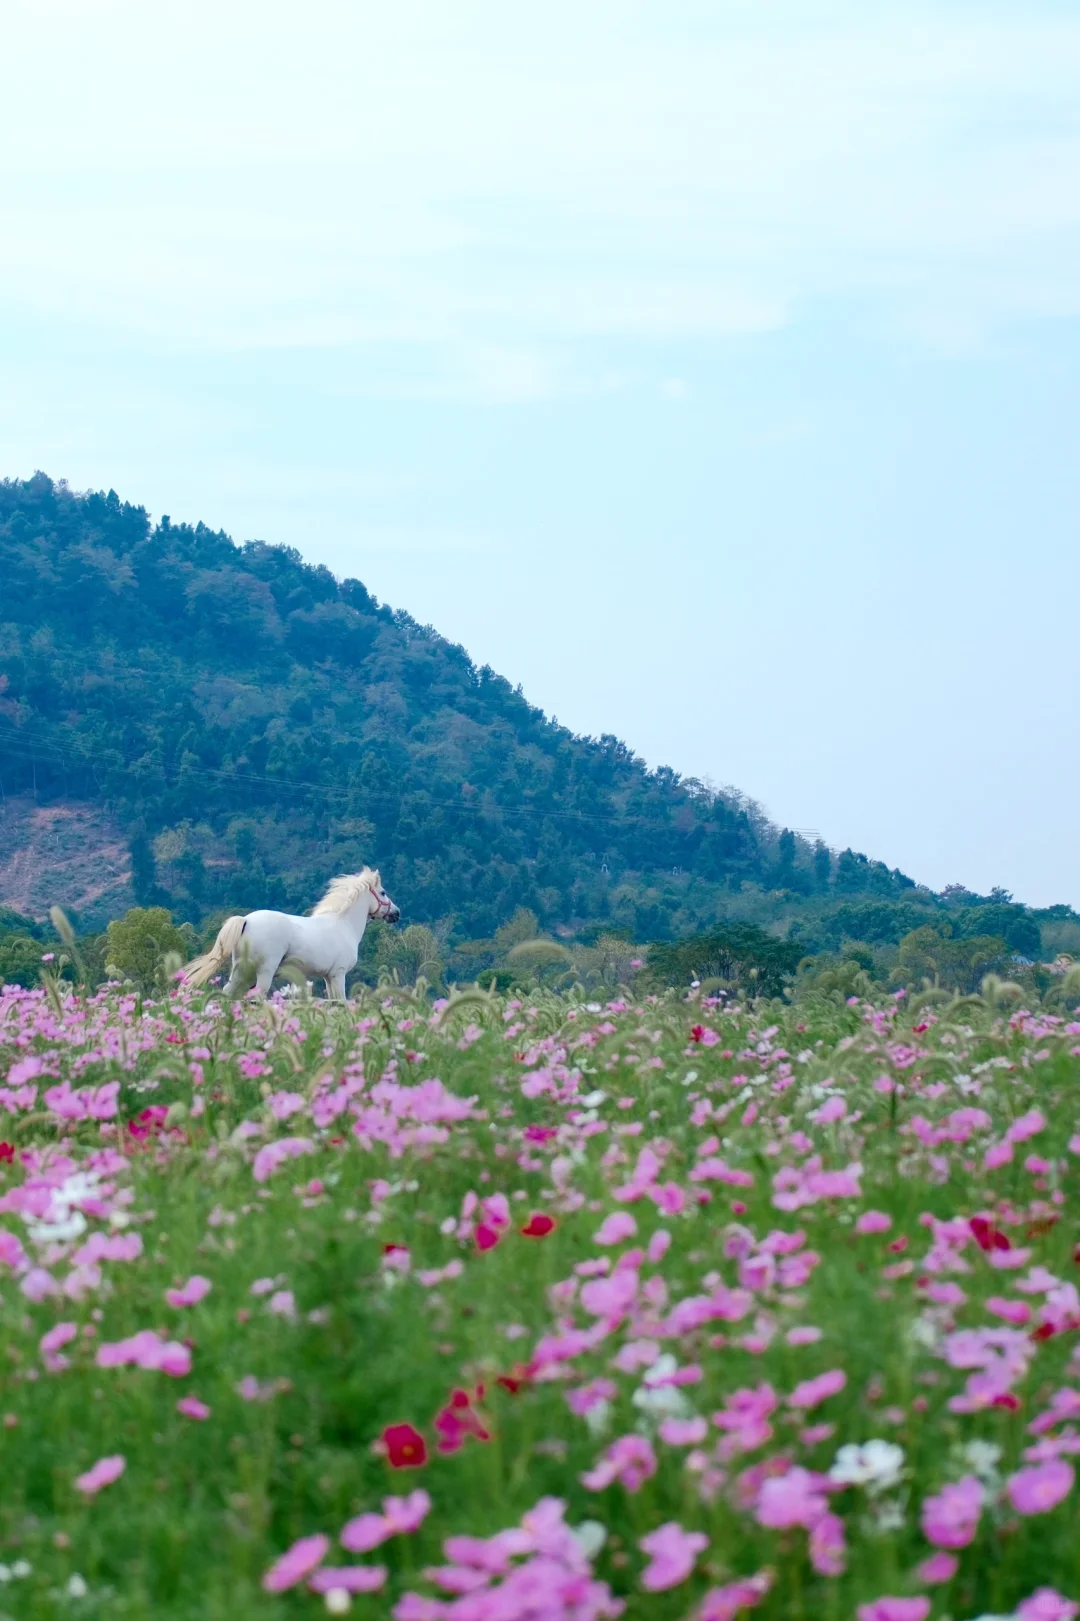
405, 1447
148, 1121
696, 1032
987, 1236
513, 1382
538, 1225
7, 1153
458, 1420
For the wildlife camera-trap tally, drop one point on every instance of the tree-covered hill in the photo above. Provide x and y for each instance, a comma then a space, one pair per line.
253, 725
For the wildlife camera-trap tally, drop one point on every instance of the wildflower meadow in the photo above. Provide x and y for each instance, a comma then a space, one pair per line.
539, 1308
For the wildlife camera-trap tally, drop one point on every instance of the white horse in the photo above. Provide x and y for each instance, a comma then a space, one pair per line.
322, 946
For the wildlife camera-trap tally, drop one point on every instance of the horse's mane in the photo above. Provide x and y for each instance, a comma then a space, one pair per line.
345, 891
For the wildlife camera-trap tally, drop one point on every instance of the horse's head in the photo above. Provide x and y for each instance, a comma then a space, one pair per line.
381, 904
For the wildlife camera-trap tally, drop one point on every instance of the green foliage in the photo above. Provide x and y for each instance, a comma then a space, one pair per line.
410, 953
255, 725
956, 964
295, 1379
137, 945
741, 954
20, 959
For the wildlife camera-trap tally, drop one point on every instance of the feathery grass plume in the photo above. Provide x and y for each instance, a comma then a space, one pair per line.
62, 924
995, 990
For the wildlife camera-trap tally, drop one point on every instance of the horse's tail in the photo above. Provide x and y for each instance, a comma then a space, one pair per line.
223, 949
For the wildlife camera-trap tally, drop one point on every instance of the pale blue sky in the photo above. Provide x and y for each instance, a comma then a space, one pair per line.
709, 368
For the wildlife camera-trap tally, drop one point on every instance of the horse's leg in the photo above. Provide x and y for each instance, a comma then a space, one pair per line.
335, 985
265, 976
233, 984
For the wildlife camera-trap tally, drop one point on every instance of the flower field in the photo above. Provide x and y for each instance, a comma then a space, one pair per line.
541, 1310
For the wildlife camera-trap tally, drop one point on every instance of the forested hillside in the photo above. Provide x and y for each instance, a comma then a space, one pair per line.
253, 725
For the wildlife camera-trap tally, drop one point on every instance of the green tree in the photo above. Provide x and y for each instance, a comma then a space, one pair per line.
137, 944
954, 964
740, 953
20, 959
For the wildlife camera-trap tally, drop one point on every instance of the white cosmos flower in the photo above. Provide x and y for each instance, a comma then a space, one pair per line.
590, 1537
877, 1465
981, 1457
598, 1417
593, 1100
656, 1401
69, 1226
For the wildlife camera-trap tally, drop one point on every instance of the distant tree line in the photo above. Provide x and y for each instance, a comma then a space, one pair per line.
255, 725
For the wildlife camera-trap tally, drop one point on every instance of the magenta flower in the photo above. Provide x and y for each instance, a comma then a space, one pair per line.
672, 1552
724, 1603
951, 1519
146, 1350
940, 1567
828, 1550
268, 1159
812, 1392
616, 1228
873, 1221
629, 1460
1047, 1605
406, 1514
1041, 1487
296, 1563
796, 1498
894, 1609
190, 1293
683, 1432
192, 1407
348, 1579
103, 1473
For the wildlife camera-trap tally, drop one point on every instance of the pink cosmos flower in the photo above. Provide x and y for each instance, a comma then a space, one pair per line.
268, 1159
672, 1552
940, 1567
951, 1519
659, 1244
146, 1350
364, 1532
400, 1515
803, 1334
1028, 1125
51, 1342
103, 1473
828, 1550
1041, 1487
1012, 1311
683, 1432
894, 1609
873, 1221
629, 1460
616, 1228
296, 1563
194, 1290
348, 1579
192, 1407
795, 1498
724, 1603
812, 1392
1045, 1604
